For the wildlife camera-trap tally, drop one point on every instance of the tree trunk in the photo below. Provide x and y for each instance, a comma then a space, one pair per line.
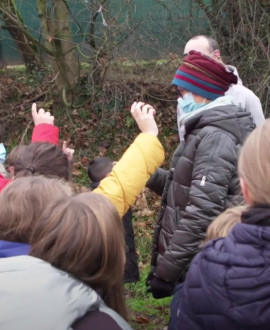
15, 26
58, 38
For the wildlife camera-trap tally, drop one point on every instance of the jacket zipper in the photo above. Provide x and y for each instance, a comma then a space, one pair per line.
204, 177
203, 181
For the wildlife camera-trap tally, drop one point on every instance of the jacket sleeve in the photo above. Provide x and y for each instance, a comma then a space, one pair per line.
131, 173
46, 133
214, 166
157, 181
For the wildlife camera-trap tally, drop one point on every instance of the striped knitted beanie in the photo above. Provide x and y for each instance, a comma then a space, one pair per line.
201, 75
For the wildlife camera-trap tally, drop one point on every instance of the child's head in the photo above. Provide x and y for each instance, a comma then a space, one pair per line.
39, 158
21, 203
83, 236
254, 166
224, 223
99, 168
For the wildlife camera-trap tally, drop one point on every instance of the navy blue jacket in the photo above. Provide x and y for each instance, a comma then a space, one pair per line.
228, 284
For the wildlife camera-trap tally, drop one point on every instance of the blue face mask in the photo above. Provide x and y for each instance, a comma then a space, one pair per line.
2, 153
187, 103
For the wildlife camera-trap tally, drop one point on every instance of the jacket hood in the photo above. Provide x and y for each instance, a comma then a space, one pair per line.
12, 249
238, 268
35, 295
229, 118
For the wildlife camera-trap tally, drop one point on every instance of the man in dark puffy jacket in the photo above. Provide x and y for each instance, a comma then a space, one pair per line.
202, 181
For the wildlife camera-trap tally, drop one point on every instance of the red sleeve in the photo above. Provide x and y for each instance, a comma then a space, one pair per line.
3, 182
46, 133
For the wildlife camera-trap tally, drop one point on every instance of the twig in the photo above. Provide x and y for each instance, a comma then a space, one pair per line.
25, 132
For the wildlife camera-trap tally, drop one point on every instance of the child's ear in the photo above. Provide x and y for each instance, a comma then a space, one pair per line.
245, 191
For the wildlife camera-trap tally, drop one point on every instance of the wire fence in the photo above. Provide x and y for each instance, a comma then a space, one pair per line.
138, 29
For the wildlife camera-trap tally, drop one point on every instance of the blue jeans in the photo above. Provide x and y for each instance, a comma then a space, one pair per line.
175, 307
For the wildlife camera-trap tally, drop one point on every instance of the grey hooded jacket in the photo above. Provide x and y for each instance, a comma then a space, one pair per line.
34, 295
201, 183
245, 98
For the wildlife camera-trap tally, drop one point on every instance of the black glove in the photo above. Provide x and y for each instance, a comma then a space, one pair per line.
149, 278
158, 287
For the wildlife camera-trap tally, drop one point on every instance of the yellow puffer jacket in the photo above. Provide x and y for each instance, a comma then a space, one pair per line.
131, 173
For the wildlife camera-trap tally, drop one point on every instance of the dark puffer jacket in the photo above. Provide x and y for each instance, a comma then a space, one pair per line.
228, 283
201, 183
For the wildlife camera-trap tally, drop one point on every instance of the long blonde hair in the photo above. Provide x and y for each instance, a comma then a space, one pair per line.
83, 236
254, 164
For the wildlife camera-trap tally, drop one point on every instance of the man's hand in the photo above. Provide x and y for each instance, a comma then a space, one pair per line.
41, 116
144, 117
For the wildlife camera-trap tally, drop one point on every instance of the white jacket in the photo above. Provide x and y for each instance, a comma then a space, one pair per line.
36, 296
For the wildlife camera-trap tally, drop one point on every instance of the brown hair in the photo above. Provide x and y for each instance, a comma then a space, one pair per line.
21, 203
224, 223
254, 164
39, 158
83, 236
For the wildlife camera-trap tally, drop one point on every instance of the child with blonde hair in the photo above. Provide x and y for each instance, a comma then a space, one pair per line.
227, 286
